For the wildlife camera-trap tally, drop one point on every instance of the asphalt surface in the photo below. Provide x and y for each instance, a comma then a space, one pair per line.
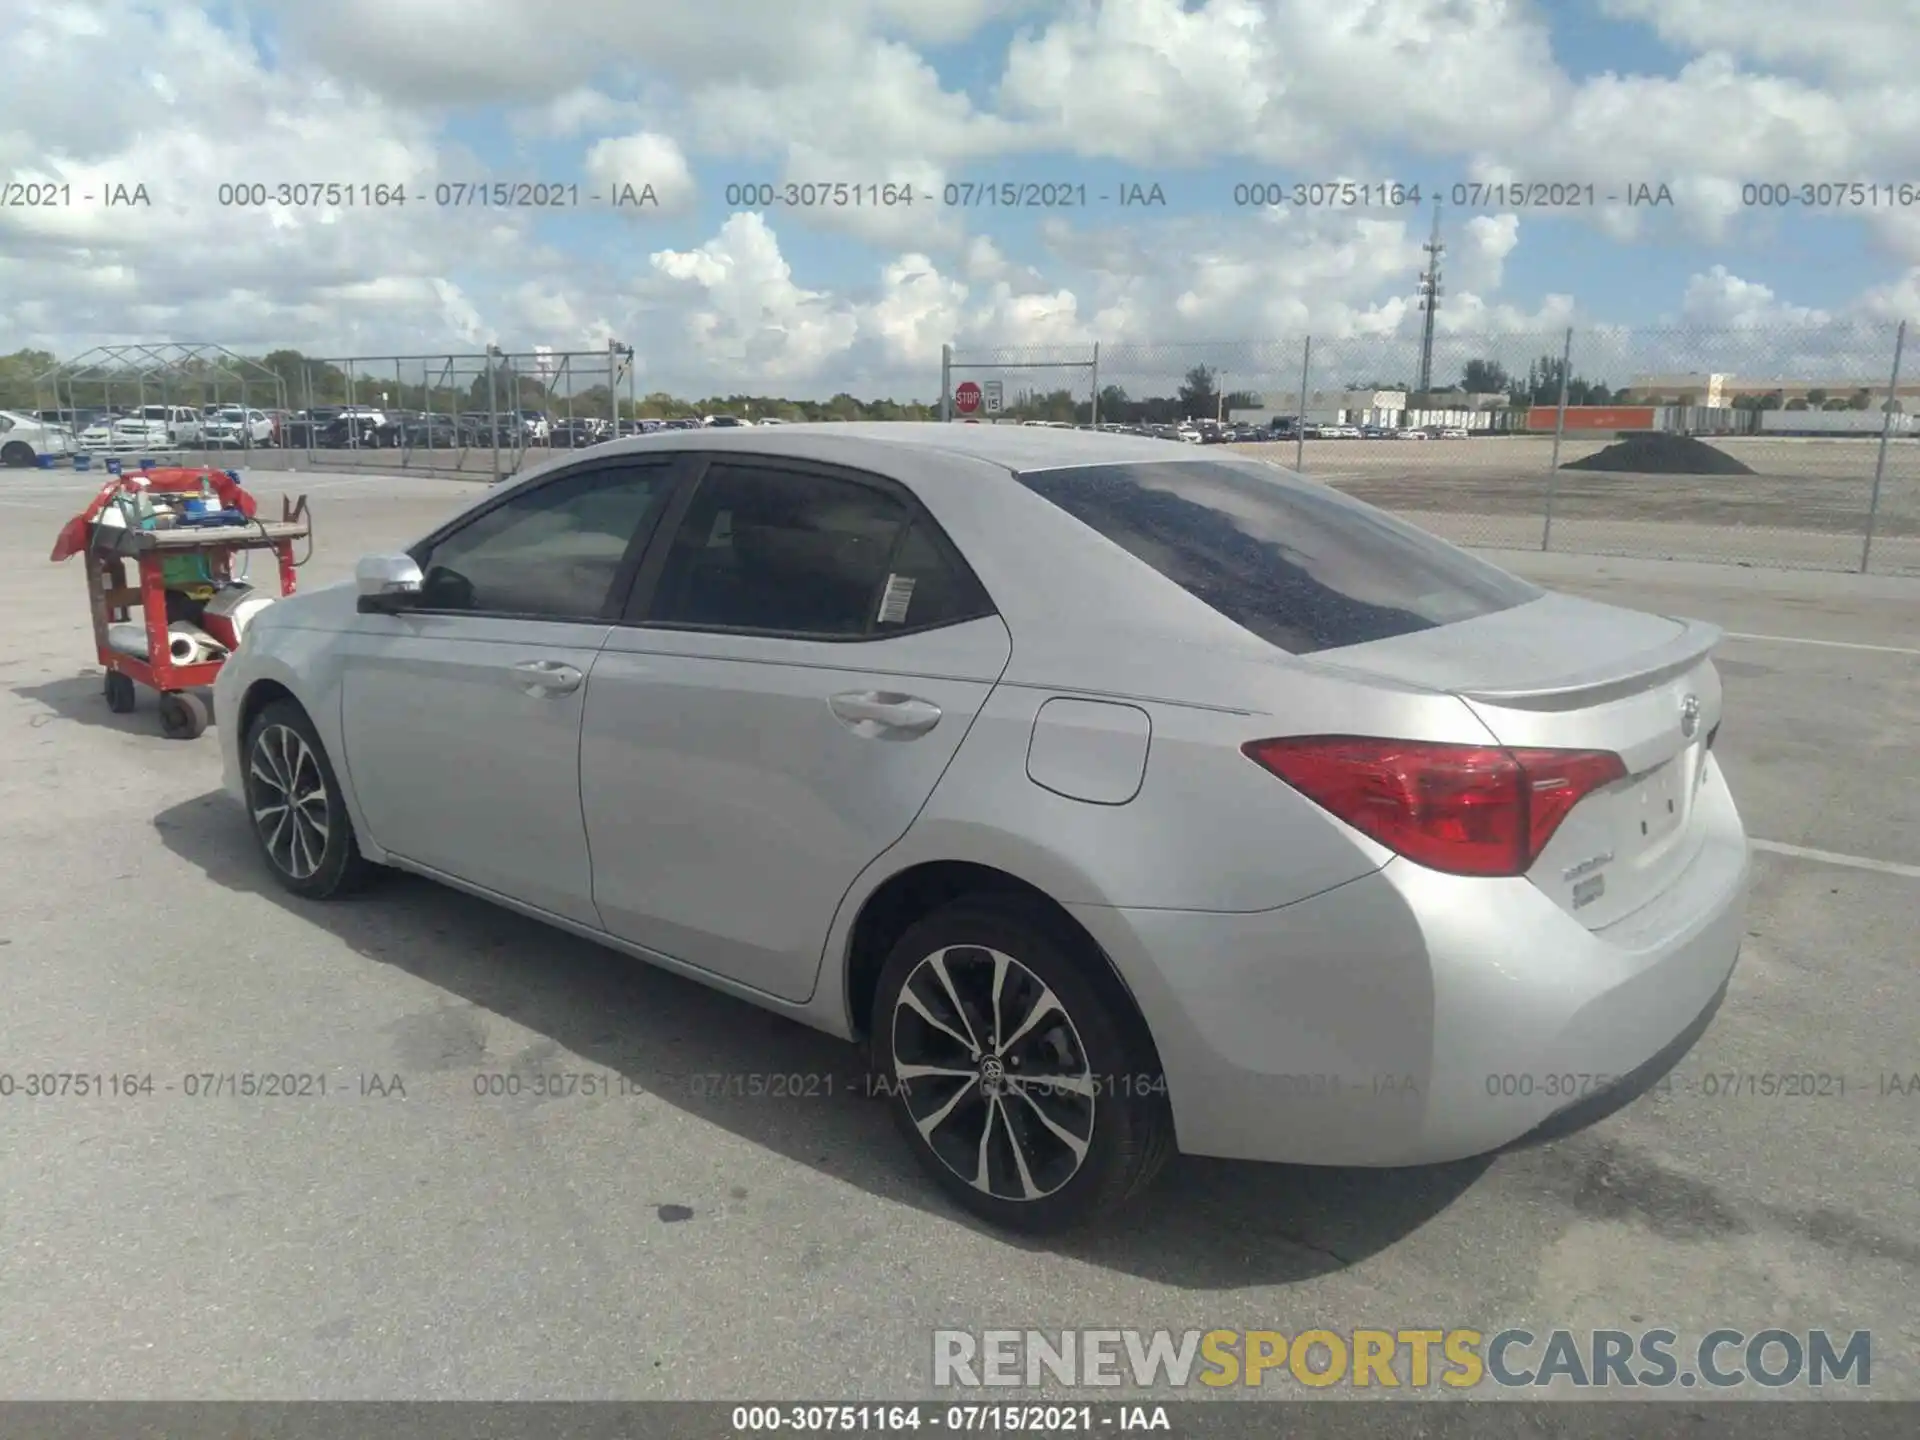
410, 1237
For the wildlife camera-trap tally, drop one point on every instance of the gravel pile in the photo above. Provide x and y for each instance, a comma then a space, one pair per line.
1655, 453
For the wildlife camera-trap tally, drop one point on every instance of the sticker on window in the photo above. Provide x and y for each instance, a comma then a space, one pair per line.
895, 599
721, 535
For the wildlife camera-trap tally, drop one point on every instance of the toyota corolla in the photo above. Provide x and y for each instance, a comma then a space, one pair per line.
1122, 800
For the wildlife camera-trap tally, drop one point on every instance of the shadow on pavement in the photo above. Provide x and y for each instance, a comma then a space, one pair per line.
1207, 1225
80, 698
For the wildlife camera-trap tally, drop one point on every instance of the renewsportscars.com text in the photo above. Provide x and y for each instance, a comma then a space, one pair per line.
1408, 1359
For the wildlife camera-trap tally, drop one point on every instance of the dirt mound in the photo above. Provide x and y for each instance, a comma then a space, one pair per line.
1655, 453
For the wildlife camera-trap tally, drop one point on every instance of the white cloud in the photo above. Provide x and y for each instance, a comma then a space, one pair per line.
1478, 260
323, 271
745, 313
1723, 300
848, 93
578, 111
1855, 40
639, 163
1286, 81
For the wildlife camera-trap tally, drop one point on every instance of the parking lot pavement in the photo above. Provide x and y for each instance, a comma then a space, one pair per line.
410, 1234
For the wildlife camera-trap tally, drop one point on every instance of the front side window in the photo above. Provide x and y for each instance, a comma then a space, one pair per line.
796, 553
1302, 566
552, 551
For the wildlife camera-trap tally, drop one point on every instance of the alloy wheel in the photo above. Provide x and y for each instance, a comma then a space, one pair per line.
993, 1073
289, 796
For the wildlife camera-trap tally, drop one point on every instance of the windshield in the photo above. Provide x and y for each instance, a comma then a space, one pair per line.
1302, 566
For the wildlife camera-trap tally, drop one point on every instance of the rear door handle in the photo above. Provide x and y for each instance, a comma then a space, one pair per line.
544, 678
881, 712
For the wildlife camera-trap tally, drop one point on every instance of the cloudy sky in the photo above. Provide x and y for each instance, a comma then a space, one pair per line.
1079, 102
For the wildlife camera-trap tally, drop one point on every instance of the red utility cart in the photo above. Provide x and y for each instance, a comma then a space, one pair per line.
112, 600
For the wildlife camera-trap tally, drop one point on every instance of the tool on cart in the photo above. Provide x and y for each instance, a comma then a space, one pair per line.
184, 528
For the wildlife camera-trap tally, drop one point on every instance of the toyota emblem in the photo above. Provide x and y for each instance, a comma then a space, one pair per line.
1689, 716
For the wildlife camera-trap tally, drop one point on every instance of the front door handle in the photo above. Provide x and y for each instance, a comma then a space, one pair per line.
880, 712
545, 678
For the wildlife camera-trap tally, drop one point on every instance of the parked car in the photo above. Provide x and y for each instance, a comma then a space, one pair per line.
144, 427
25, 438
173, 425
235, 428
509, 429
98, 435
1456, 432
1375, 821
71, 421
304, 427
577, 433
424, 432
354, 428
390, 434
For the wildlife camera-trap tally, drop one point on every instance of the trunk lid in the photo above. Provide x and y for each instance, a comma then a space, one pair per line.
1566, 673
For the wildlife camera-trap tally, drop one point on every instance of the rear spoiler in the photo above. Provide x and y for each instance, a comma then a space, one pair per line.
1629, 676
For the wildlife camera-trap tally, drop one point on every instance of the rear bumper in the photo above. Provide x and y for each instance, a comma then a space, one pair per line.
1410, 1017
1610, 1100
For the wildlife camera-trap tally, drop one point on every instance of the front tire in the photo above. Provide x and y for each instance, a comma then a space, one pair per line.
1017, 1069
298, 813
18, 456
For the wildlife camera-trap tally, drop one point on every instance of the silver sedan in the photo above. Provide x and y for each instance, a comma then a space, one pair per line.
1121, 800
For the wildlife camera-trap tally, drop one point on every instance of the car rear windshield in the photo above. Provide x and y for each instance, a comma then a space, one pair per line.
1302, 566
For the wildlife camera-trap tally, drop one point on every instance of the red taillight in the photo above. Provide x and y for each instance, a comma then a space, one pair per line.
1462, 809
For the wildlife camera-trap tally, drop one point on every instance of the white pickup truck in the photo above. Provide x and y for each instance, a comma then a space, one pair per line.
151, 426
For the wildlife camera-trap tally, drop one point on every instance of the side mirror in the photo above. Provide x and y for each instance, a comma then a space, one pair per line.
386, 583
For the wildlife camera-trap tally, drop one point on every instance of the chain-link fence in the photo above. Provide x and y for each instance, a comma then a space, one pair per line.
483, 414
488, 413
1791, 447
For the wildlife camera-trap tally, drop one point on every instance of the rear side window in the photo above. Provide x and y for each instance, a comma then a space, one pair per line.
787, 552
1301, 566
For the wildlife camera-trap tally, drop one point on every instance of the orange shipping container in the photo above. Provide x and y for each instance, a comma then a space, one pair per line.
1593, 417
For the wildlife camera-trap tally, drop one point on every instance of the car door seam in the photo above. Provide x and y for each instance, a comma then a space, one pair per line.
826, 940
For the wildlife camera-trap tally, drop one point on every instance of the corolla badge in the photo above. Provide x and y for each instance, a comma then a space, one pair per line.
1689, 716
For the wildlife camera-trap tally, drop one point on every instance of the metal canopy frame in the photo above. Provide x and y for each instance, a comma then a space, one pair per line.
168, 369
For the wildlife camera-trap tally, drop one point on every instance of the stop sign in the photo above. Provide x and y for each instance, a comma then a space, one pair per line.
966, 397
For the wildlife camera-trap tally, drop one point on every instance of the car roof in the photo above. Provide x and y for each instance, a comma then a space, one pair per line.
881, 444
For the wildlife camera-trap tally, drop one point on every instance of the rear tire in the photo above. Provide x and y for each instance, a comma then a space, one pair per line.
298, 813
1017, 1069
183, 715
17, 456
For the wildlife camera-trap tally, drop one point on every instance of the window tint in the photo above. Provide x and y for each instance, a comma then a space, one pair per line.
1301, 566
787, 551
553, 550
